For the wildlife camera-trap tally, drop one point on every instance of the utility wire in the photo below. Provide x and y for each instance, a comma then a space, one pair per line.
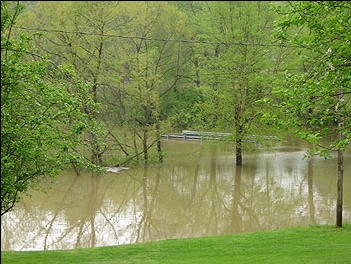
159, 39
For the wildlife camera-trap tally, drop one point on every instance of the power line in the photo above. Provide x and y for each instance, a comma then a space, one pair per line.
159, 39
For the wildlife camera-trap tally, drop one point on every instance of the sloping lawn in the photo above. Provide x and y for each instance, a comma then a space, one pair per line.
313, 244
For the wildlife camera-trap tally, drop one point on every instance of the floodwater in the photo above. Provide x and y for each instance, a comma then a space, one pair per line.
198, 191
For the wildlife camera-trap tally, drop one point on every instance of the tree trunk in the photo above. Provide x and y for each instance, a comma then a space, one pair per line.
96, 156
159, 146
145, 148
340, 189
238, 151
340, 171
310, 191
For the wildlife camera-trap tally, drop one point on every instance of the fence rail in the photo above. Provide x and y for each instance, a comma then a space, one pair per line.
190, 134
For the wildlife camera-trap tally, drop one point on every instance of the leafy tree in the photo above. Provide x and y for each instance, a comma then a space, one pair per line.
126, 51
317, 101
157, 66
43, 122
236, 68
83, 42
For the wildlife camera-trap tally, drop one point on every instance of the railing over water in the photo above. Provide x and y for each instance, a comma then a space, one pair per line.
189, 134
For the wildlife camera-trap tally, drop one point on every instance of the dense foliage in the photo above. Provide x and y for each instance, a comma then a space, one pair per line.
318, 100
42, 114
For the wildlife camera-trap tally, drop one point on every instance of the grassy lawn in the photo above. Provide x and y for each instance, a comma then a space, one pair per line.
313, 244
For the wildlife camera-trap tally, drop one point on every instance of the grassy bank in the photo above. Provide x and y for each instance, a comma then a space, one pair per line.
314, 244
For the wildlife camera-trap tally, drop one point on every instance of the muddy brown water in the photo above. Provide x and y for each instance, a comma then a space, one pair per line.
198, 191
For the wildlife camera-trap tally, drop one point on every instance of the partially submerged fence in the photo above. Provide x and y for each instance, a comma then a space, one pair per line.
189, 134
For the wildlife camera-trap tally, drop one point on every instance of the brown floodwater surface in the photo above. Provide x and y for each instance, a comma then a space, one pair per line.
198, 191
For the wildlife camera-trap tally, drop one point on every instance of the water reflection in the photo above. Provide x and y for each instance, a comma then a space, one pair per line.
196, 192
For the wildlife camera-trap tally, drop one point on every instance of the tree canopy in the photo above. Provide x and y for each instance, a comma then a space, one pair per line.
320, 96
43, 114
316, 103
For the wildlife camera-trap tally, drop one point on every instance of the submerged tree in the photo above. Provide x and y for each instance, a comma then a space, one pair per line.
78, 33
317, 102
236, 67
127, 50
44, 126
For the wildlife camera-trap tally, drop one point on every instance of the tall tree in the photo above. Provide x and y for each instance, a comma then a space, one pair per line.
79, 34
43, 122
318, 99
129, 51
157, 66
237, 66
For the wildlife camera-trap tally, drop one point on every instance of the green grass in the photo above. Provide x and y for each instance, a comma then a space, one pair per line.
313, 244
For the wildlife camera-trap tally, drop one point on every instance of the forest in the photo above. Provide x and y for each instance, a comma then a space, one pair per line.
92, 84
